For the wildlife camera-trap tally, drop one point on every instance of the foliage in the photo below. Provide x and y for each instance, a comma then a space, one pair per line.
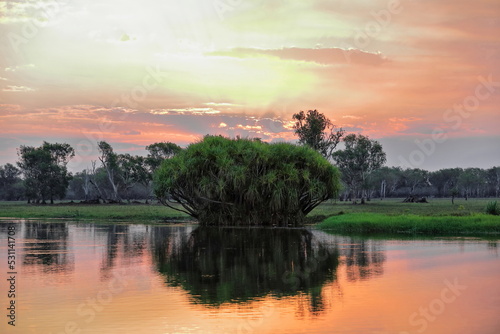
472, 180
221, 181
159, 152
132, 170
444, 180
413, 224
11, 186
414, 177
109, 161
493, 208
231, 265
45, 170
317, 132
360, 157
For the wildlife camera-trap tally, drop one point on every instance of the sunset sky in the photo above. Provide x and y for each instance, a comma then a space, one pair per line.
420, 76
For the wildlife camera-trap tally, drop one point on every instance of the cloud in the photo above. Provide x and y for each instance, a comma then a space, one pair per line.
16, 89
19, 67
325, 56
131, 133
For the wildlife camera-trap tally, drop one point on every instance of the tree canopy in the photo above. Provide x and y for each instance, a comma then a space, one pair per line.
221, 181
159, 152
45, 170
360, 157
317, 131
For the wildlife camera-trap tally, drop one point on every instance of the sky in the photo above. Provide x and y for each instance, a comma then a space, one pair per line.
420, 76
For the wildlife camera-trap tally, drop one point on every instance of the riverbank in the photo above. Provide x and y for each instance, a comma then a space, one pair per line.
76, 211
375, 223
387, 216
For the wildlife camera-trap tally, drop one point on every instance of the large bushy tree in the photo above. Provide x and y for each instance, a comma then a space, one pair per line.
317, 131
220, 181
45, 170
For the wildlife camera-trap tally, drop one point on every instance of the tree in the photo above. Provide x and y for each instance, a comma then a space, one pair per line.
10, 183
159, 152
109, 161
45, 170
386, 179
494, 180
471, 181
317, 132
133, 170
220, 181
445, 180
414, 177
360, 157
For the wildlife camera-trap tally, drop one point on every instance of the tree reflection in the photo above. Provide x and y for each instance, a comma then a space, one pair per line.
219, 265
47, 245
364, 259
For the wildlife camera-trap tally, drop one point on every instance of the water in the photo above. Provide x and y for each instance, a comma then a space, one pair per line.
128, 278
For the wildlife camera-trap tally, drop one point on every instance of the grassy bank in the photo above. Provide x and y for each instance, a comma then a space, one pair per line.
390, 215
370, 223
435, 207
129, 212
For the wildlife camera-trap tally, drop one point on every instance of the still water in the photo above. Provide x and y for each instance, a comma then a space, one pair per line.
75, 277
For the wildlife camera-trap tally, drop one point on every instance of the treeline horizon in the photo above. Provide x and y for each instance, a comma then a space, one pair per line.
123, 177
117, 177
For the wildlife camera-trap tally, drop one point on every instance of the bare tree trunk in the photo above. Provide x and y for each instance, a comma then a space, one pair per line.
86, 184
93, 181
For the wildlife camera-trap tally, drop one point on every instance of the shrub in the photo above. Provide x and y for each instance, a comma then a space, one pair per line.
493, 208
220, 181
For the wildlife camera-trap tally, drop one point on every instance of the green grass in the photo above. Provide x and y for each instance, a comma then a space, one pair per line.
129, 212
439, 217
435, 207
369, 223
387, 216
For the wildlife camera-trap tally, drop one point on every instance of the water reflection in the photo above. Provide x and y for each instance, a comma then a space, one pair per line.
364, 258
180, 279
219, 265
47, 246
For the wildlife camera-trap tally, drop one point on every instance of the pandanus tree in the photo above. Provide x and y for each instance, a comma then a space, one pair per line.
220, 181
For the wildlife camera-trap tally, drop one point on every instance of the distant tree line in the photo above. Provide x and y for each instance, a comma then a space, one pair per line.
41, 174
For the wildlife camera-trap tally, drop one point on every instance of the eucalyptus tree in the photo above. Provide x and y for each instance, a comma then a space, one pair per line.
386, 179
493, 175
472, 182
132, 171
360, 157
109, 161
45, 170
415, 177
220, 181
445, 180
10, 182
159, 152
317, 131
